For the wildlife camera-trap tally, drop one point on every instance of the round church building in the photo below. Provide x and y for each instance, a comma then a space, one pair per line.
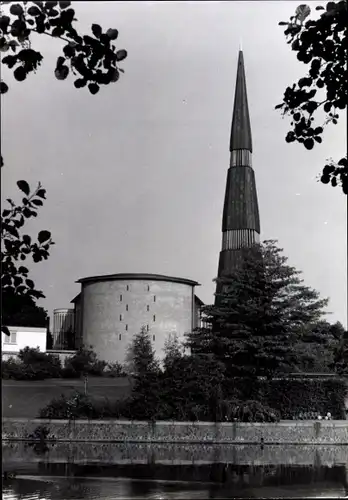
111, 309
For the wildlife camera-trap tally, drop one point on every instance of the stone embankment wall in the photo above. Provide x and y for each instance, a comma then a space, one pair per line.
174, 454
285, 432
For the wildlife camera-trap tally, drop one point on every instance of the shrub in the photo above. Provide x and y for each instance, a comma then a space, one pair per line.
68, 371
39, 364
11, 369
84, 361
114, 370
97, 368
17, 370
76, 406
252, 411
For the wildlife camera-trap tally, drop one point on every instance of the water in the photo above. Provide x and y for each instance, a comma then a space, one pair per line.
161, 472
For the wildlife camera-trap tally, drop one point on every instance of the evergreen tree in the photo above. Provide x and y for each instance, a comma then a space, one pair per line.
340, 364
141, 355
262, 307
316, 346
173, 351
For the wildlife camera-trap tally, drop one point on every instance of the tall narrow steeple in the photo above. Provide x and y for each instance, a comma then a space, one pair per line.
241, 129
240, 221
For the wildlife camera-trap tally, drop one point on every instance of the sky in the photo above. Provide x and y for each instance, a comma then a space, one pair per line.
135, 175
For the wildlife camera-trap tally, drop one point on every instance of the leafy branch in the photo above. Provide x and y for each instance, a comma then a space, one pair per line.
320, 43
93, 59
17, 247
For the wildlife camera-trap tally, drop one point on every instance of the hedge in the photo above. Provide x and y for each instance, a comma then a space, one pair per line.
294, 396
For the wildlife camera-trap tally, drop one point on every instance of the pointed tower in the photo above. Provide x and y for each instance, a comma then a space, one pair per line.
240, 222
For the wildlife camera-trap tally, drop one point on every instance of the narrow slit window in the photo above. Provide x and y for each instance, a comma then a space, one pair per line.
154, 298
154, 317
127, 307
148, 288
148, 308
153, 337
126, 328
121, 297
127, 288
119, 336
147, 328
121, 317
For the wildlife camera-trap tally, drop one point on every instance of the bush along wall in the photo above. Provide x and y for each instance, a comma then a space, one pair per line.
291, 397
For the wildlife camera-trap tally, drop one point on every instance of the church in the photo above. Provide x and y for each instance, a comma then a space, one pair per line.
110, 309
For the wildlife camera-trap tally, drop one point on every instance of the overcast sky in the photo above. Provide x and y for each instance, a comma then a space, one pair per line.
135, 175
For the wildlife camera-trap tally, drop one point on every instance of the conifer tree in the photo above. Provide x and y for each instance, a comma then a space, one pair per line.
173, 351
263, 307
141, 355
340, 363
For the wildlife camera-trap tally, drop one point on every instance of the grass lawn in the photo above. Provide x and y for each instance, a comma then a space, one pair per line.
25, 398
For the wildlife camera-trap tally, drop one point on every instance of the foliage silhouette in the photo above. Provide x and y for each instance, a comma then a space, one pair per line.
93, 60
320, 43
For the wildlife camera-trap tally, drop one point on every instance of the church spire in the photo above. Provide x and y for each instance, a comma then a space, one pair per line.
240, 220
240, 130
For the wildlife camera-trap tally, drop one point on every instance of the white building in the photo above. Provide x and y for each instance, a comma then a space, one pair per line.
21, 337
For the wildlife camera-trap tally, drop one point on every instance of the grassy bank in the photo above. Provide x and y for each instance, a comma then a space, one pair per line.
26, 398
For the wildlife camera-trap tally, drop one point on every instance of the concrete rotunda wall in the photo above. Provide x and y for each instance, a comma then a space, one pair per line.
114, 310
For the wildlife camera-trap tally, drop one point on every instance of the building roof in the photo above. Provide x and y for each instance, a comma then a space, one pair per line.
136, 276
241, 129
75, 299
199, 301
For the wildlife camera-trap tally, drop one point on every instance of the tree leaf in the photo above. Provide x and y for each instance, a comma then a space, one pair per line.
38, 203
16, 9
5, 330
20, 74
30, 283
34, 11
41, 193
62, 72
60, 62
43, 236
26, 239
112, 33
24, 186
93, 88
121, 54
343, 162
3, 88
308, 143
80, 82
64, 5
96, 30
